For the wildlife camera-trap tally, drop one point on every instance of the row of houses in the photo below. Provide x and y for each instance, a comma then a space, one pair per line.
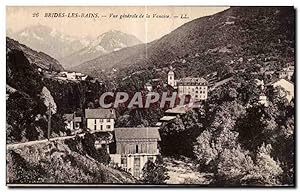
192, 86
133, 146
283, 73
72, 76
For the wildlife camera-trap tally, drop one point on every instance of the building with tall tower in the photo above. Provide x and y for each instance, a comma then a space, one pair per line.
196, 88
171, 79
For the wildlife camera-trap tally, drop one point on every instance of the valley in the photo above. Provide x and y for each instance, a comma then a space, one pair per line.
238, 66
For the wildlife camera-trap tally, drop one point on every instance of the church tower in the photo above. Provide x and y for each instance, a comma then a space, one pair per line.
171, 78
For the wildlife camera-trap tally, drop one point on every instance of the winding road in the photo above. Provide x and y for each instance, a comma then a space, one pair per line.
17, 145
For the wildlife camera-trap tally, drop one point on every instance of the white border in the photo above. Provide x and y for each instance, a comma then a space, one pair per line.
119, 3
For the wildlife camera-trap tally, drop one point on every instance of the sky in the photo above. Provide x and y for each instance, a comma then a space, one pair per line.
145, 29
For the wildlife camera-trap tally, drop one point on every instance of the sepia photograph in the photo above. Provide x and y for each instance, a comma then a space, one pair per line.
159, 96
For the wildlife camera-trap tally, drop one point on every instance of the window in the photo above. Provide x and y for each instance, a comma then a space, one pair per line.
101, 120
101, 127
108, 120
136, 167
107, 126
95, 125
124, 161
123, 148
136, 149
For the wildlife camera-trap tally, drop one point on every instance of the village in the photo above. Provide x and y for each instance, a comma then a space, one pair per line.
152, 96
131, 147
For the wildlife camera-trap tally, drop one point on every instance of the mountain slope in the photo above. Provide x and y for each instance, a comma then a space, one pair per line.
106, 62
36, 58
103, 44
235, 38
50, 41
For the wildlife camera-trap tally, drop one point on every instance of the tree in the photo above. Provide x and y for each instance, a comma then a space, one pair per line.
182, 132
255, 127
204, 148
154, 173
88, 145
233, 167
268, 170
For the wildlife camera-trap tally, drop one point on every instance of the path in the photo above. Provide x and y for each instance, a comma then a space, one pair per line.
16, 145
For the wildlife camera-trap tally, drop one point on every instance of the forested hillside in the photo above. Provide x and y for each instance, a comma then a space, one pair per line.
239, 37
236, 139
73, 160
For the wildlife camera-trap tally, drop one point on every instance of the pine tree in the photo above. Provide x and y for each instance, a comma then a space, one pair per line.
154, 173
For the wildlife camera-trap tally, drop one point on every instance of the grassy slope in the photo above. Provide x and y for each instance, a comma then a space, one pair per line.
55, 162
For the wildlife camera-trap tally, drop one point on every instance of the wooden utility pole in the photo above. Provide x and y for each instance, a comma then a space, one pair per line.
49, 122
74, 124
82, 99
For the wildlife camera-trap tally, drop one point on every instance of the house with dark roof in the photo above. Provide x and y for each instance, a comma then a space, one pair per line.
100, 120
72, 122
286, 72
134, 147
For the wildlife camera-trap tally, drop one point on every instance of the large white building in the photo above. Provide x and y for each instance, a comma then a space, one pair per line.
197, 88
100, 120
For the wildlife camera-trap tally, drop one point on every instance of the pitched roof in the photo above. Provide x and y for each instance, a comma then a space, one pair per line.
69, 117
167, 118
137, 133
100, 113
178, 110
192, 81
279, 79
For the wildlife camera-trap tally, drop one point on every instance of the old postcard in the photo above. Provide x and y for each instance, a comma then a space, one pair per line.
150, 96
